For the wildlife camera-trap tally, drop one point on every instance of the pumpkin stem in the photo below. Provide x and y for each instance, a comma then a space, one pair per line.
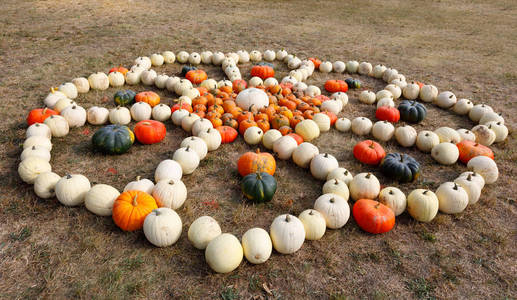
134, 200
455, 187
73, 107
311, 212
391, 192
450, 97
171, 182
345, 173
401, 158
368, 175
469, 178
68, 176
425, 192
498, 123
335, 182
257, 151
326, 155
146, 123
45, 110
137, 178
332, 200
377, 205
53, 89
33, 147
208, 130
287, 218
188, 148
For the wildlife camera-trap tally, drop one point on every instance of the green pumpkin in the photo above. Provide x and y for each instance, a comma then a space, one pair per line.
400, 167
353, 83
265, 63
259, 187
113, 139
186, 69
124, 98
412, 111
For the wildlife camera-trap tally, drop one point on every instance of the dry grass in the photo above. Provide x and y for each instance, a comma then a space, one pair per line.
50, 251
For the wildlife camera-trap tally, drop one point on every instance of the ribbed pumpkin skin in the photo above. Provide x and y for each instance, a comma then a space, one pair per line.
369, 152
259, 187
262, 72
400, 167
253, 162
372, 216
412, 111
150, 131
470, 149
353, 83
387, 113
148, 97
228, 134
131, 208
113, 139
124, 98
196, 76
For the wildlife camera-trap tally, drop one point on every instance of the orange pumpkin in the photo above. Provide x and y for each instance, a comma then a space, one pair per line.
333, 86
231, 123
228, 105
308, 114
216, 122
202, 90
228, 134
120, 69
263, 72
217, 108
245, 115
149, 97
149, 131
200, 100
316, 62
226, 89
253, 162
298, 138
196, 76
39, 115
278, 121
469, 149
285, 130
263, 124
372, 216
295, 120
239, 85
131, 208
200, 113
369, 152
182, 105
245, 125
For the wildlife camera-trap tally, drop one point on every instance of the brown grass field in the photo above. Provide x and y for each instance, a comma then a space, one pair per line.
54, 252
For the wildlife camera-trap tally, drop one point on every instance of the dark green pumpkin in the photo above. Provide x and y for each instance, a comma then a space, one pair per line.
259, 187
412, 111
400, 167
265, 63
353, 83
125, 97
113, 139
186, 69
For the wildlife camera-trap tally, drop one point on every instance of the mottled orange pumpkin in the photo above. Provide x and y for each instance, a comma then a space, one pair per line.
39, 115
253, 162
469, 149
148, 97
131, 208
196, 76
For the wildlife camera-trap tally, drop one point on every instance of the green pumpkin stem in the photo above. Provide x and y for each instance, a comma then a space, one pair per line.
137, 178
259, 177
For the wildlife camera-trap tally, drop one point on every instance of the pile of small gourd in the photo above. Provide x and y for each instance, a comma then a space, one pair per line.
137, 206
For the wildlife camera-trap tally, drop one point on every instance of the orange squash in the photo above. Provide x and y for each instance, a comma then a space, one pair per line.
253, 162
148, 97
469, 149
196, 76
39, 115
131, 208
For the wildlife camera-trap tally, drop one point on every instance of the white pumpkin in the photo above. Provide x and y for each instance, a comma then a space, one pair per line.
448, 135
338, 187
201, 124
140, 184
352, 66
393, 198
148, 76
334, 106
169, 57
224, 253
188, 121
157, 59
269, 55
500, 130
361, 126
339, 66
168, 169
194, 58
383, 130
255, 81
470, 186
343, 124
212, 138
411, 91
75, 115
445, 100
287, 234
182, 57
405, 135
314, 224
322, 164
161, 112
116, 79
271, 81
81, 84
38, 141
31, 167
284, 147
322, 120
252, 96
182, 86
162, 227
475, 177
178, 115
97, 115
197, 144
400, 83
206, 57
63, 103
364, 186
462, 106
202, 231
54, 96
133, 77
312, 91
486, 167
387, 101
383, 94
257, 245
477, 112
428, 93
340, 174
100, 198
334, 209
365, 68
422, 205
484, 135
326, 67
397, 79
209, 84
452, 198
45, 183
58, 125
69, 89
299, 87
445, 153
143, 62
378, 71
388, 73
491, 116
244, 56
281, 54
395, 90
307, 129
253, 135
289, 80
466, 134
71, 189
170, 193
36, 151
187, 158
99, 81
255, 55
426, 140
119, 115
170, 83
270, 137
304, 153
340, 96
217, 58
294, 63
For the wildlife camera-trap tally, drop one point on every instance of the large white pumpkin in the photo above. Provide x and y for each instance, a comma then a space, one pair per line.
445, 153
364, 186
170, 193
75, 115
393, 198
270, 137
452, 198
168, 169
71, 189
37, 151
187, 158
304, 153
212, 138
340, 174
252, 96
334, 209
314, 224
140, 184
224, 253
100, 198
284, 147
38, 129
45, 183
336, 186
422, 205
287, 234
470, 186
202, 231
97, 115
99, 81
307, 129
486, 167
322, 164
162, 227
257, 245
31, 167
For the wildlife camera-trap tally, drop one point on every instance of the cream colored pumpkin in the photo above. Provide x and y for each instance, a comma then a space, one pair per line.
340, 174
295, 62
361, 126
422, 205
393, 198
411, 91
383, 94
224, 253
202, 231
343, 124
36, 151
289, 80
197, 144
119, 115
388, 73
383, 130
491, 116
395, 90
334, 209
148, 76
144, 62
405, 136
365, 68
178, 115
31, 167
308, 129
45, 183
187, 158
284, 147
97, 115
63, 103
255, 81
298, 87
133, 77
466, 134
255, 55
75, 115
170, 193
37, 141
99, 81
157, 59
116, 79
340, 96
304, 153
338, 187
426, 140
314, 224
312, 91
470, 186
448, 135
270, 137
475, 177
500, 130
271, 81
71, 189
54, 96
252, 96
486, 167
191, 93
257, 245
188, 121
367, 97
445, 153
58, 125
463, 106
322, 164
100, 198
161, 112
69, 89
326, 67
334, 106
81, 84
428, 93
182, 86
140, 184
168, 169
169, 57
352, 66
445, 100
212, 138
217, 58
364, 186
182, 57
200, 125
253, 135
322, 120
209, 84
387, 101
452, 198
244, 56
378, 71
338, 66
484, 135
170, 83
398, 81
287, 234
477, 112
162, 227
269, 55
206, 57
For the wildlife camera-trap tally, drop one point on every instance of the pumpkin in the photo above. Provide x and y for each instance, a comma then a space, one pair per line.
212, 138
120, 115
405, 135
500, 130
262, 72
253, 162
141, 111
97, 115
162, 227
54, 96
58, 125
75, 115
383, 130
157, 59
239, 85
188, 121
314, 224
401, 167
39, 151
224, 253
284, 147
422, 205
411, 91
338, 187
270, 137
322, 164
45, 184
428, 93
257, 245
395, 90
352, 66
148, 97
304, 153
200, 125
169, 193
196, 76
369, 152
486, 167
383, 94
448, 135
364, 68
228, 134
340, 174
426, 140
161, 112
116, 79
39, 115
202, 231
452, 198
194, 58
445, 153
477, 112
98, 81
71, 189
361, 126
412, 111
353, 83
253, 135
37, 141
334, 208
393, 198
113, 139
259, 187
463, 106
169, 57
364, 186
38, 129
186, 69
252, 96
131, 208
484, 135
287, 234
343, 124
491, 116
386, 102
187, 158
367, 97
140, 184
468, 150
445, 100
386, 113
82, 85
168, 169
308, 130
471, 186
197, 144
100, 198
334, 86
373, 217
31, 167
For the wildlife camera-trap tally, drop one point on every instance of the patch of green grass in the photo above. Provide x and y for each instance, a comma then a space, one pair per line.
111, 278
254, 283
421, 288
133, 263
428, 236
338, 296
229, 293
20, 236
